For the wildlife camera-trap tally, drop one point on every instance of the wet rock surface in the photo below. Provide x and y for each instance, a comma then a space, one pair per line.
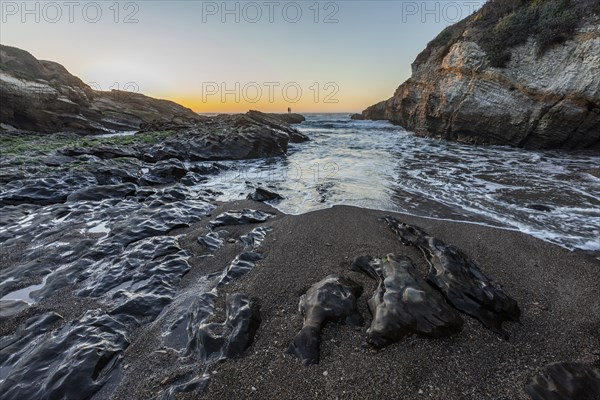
118, 254
404, 303
73, 361
332, 299
245, 216
460, 279
230, 338
211, 241
262, 194
565, 381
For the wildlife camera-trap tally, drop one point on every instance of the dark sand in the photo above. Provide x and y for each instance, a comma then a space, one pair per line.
557, 290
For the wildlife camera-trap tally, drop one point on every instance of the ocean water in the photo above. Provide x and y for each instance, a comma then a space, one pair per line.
374, 164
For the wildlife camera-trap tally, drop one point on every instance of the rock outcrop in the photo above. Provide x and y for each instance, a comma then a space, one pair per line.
533, 97
460, 279
42, 96
331, 299
404, 303
290, 118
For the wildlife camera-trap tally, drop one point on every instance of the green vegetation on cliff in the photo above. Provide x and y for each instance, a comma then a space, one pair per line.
508, 23
503, 24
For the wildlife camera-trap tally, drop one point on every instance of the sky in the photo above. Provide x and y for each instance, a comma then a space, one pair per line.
232, 56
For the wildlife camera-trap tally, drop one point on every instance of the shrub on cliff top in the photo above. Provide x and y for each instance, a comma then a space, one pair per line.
503, 24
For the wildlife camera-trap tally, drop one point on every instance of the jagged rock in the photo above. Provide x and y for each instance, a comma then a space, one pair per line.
536, 101
367, 265
404, 303
280, 123
358, 117
331, 299
254, 239
105, 152
97, 193
240, 266
262, 194
165, 171
226, 137
212, 242
216, 341
73, 362
245, 216
566, 381
44, 191
460, 279
539, 207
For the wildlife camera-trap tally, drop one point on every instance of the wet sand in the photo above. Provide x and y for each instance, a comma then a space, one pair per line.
557, 291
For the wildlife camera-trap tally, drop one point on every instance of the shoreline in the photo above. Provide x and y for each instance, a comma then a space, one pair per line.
587, 253
303, 249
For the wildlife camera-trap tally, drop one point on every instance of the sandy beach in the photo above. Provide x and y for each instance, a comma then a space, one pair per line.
557, 291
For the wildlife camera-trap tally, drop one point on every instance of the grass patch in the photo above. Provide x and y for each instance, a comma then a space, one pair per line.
37, 144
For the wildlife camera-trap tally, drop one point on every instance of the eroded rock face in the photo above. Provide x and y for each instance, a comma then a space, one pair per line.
331, 299
566, 381
404, 303
548, 101
43, 96
460, 279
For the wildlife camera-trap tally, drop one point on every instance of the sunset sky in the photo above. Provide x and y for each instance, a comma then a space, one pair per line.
341, 58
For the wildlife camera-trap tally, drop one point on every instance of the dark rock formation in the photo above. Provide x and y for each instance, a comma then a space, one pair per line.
331, 299
254, 239
73, 362
211, 241
216, 341
262, 194
460, 279
240, 266
404, 303
280, 122
44, 191
358, 117
43, 96
566, 381
539, 207
96, 193
224, 137
289, 118
245, 216
367, 265
547, 99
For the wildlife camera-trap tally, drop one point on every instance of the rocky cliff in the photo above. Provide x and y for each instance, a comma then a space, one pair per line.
43, 96
518, 73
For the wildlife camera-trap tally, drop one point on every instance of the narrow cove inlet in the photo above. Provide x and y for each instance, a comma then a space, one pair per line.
197, 241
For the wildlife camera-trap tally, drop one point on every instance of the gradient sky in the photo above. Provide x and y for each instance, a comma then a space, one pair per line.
183, 51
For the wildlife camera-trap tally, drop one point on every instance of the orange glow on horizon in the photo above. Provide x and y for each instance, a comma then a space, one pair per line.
197, 105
